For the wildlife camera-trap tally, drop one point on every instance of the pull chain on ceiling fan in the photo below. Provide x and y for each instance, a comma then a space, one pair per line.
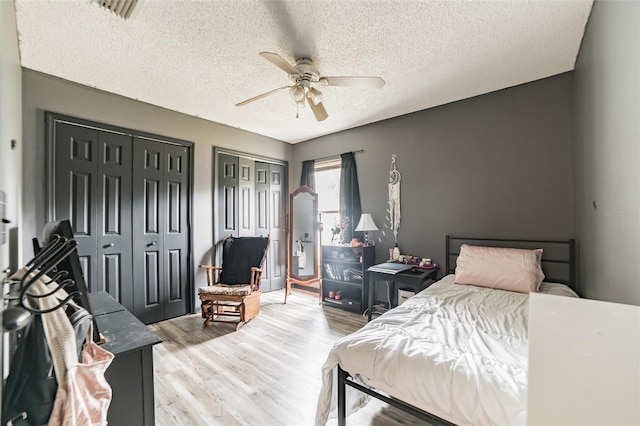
305, 81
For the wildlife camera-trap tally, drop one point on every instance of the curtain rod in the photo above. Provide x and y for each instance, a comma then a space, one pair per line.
329, 157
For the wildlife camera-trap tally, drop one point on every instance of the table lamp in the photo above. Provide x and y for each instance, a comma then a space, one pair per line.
366, 224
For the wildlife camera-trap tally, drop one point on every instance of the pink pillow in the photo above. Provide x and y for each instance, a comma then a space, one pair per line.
503, 268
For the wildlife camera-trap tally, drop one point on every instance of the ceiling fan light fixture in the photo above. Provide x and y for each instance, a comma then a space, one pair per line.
315, 96
304, 78
297, 93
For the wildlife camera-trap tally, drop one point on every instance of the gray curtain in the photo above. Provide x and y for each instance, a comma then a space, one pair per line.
350, 195
308, 176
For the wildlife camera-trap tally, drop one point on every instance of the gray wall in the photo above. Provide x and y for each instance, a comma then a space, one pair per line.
607, 86
498, 165
42, 93
10, 129
10, 158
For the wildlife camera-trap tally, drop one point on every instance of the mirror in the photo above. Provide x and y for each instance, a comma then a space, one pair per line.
303, 242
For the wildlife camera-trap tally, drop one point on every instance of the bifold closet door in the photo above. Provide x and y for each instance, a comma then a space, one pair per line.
270, 219
227, 196
250, 202
92, 188
160, 230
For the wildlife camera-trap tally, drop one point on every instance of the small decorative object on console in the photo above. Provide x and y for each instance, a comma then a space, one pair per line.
418, 262
425, 262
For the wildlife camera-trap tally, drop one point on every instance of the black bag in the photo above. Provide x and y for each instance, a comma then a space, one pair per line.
31, 386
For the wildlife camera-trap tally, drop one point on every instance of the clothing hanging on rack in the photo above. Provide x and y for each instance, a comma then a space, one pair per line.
78, 393
30, 389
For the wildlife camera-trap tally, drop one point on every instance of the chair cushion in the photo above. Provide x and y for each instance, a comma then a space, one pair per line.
225, 290
239, 255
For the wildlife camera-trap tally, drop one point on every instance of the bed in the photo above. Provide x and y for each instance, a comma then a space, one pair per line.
452, 354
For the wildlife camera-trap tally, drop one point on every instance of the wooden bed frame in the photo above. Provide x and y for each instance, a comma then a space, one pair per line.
559, 265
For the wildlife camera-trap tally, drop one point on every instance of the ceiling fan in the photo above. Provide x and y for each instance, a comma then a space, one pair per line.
305, 80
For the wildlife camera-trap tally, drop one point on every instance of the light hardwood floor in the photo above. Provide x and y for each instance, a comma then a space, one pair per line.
267, 373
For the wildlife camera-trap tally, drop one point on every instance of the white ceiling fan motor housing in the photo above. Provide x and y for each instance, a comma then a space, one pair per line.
308, 73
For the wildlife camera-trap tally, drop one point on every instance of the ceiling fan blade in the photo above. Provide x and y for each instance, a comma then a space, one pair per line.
280, 62
264, 95
318, 110
363, 82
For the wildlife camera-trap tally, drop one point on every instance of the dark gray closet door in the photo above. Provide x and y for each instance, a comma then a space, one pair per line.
277, 226
227, 196
92, 172
75, 173
176, 233
270, 220
160, 234
246, 198
250, 202
262, 217
114, 217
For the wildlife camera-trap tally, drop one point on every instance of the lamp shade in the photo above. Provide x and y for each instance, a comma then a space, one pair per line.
366, 223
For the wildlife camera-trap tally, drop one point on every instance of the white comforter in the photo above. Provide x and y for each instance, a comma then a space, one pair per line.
456, 351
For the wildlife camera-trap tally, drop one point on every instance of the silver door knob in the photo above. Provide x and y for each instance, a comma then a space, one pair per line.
107, 245
152, 243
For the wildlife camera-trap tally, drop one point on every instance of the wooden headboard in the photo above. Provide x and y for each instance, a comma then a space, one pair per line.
558, 256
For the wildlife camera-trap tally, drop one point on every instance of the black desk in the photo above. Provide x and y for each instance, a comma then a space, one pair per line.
131, 372
413, 280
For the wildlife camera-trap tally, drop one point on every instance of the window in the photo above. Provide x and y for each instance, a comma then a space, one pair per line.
328, 190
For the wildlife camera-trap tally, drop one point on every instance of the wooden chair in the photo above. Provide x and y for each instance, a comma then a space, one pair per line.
233, 291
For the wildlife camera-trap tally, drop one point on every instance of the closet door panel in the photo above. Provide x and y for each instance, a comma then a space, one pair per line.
246, 190
148, 224
262, 198
176, 237
151, 206
113, 216
152, 278
175, 276
277, 228
75, 182
227, 203
262, 214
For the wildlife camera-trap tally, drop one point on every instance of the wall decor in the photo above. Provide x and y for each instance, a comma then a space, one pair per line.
393, 209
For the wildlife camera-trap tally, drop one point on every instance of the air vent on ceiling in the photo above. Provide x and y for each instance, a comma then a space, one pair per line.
123, 8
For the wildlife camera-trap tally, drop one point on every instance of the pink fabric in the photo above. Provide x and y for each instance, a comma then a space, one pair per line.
502, 268
83, 394
85, 397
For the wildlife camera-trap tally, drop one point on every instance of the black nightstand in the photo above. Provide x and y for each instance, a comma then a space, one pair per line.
416, 279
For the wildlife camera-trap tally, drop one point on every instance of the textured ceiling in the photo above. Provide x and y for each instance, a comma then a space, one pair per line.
202, 57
